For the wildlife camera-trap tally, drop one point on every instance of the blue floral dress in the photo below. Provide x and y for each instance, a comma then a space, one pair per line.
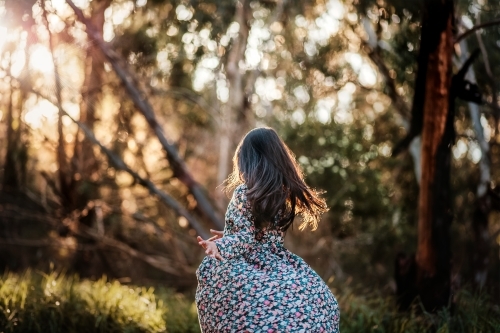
260, 286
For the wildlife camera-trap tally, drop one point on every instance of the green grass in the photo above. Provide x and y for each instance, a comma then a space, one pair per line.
37, 303
472, 314
56, 303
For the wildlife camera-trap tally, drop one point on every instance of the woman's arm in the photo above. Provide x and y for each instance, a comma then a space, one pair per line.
239, 218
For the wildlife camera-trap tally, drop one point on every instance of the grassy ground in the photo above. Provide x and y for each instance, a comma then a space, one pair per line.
56, 303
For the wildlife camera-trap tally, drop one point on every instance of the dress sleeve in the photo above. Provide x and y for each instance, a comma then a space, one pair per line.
239, 233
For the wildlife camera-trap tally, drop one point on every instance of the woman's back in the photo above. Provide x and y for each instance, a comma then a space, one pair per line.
260, 286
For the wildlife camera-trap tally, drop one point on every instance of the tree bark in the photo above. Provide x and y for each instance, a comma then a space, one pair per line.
427, 274
435, 216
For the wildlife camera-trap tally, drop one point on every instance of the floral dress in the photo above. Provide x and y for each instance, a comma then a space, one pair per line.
260, 286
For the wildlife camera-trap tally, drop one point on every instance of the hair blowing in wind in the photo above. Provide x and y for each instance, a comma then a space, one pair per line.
276, 188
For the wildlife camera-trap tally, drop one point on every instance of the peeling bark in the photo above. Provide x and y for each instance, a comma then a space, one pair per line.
433, 249
432, 116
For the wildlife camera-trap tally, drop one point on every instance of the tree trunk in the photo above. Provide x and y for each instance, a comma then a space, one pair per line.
10, 176
427, 274
61, 157
83, 161
232, 122
435, 216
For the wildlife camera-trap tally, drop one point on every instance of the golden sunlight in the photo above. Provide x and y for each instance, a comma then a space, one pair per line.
40, 112
41, 59
3, 36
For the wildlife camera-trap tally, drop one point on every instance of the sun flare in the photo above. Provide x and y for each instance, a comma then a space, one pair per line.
41, 60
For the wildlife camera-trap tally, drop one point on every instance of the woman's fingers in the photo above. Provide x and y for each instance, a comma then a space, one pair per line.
217, 233
202, 243
212, 251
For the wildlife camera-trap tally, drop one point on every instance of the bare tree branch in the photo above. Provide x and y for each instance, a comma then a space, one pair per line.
121, 165
165, 198
476, 27
159, 262
178, 166
162, 263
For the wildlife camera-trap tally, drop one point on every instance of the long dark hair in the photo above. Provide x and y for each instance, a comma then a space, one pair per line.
276, 188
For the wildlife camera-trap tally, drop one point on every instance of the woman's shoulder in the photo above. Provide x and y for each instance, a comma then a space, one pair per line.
240, 191
241, 188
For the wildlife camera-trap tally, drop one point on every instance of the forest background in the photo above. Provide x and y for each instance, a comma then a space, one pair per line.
119, 119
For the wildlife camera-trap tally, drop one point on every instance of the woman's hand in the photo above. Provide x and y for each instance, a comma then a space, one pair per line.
209, 246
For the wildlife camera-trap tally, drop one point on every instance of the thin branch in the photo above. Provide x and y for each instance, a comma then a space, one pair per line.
476, 27
178, 166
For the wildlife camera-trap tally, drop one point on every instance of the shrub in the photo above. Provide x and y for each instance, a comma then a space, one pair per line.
56, 303
471, 314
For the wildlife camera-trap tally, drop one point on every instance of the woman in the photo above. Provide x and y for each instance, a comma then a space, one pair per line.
249, 282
